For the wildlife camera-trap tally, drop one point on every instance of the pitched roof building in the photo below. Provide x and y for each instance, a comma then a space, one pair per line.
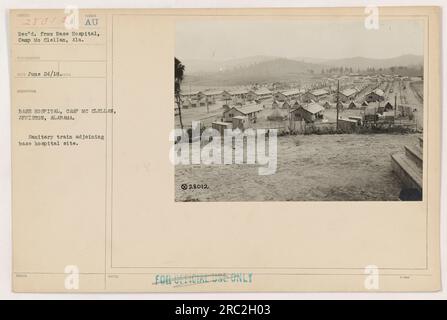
249, 111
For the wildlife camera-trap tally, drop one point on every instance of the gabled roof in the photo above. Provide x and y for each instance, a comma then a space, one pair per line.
212, 92
262, 91
250, 109
379, 92
349, 92
292, 92
319, 92
313, 108
238, 91
247, 110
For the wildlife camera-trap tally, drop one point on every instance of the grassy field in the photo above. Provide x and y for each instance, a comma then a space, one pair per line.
349, 167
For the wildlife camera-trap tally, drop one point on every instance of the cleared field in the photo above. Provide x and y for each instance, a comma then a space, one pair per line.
349, 167
418, 87
200, 114
411, 98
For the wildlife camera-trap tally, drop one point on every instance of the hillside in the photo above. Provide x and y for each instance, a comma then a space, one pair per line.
259, 69
278, 69
364, 63
195, 66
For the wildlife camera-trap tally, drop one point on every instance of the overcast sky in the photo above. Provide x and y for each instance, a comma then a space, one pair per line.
224, 39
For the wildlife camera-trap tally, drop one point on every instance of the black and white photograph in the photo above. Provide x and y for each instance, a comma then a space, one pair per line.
326, 110
226, 150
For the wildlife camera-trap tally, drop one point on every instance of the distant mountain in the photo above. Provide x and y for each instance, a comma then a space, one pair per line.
364, 63
311, 60
278, 65
194, 66
259, 69
278, 69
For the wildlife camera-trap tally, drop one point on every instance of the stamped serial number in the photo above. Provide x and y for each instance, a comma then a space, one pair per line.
194, 186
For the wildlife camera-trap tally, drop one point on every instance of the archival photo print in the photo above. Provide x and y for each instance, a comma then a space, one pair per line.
298, 110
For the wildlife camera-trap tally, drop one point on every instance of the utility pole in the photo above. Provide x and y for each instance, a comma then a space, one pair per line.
338, 93
395, 106
290, 115
207, 106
